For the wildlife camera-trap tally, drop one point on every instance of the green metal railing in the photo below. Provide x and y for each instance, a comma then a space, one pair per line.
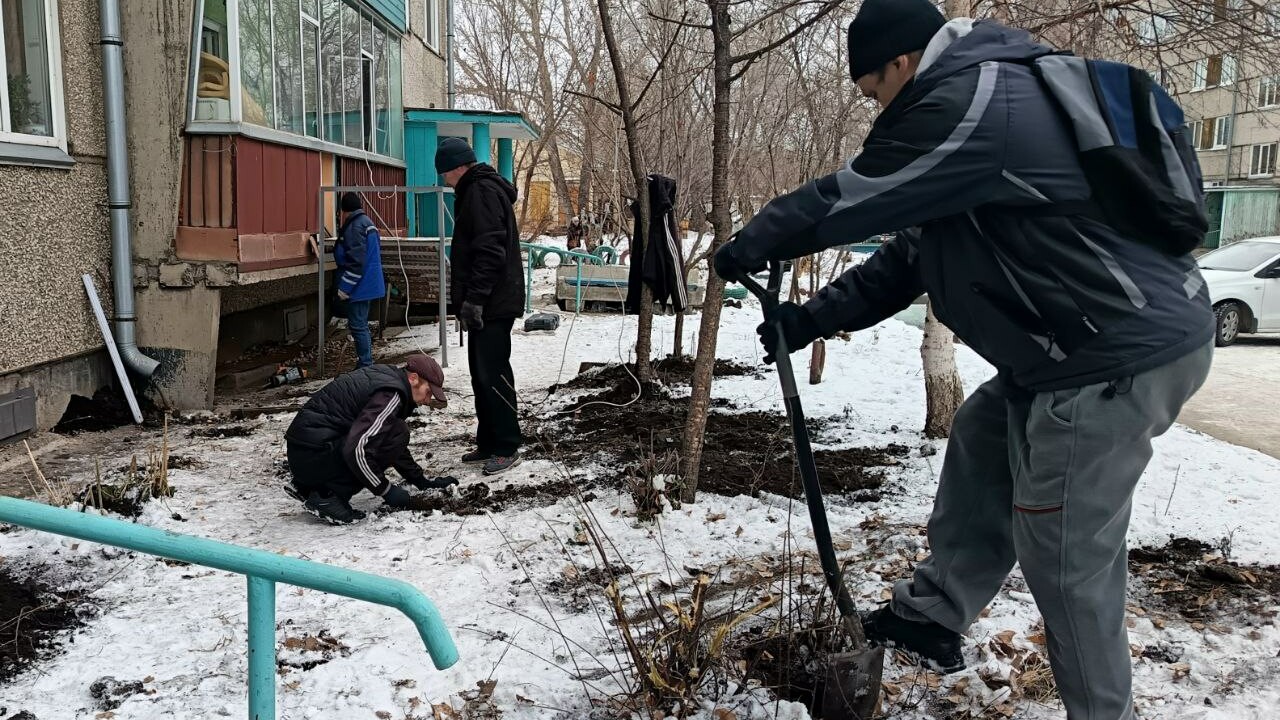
537, 253
263, 570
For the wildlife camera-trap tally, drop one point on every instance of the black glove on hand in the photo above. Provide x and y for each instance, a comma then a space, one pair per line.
396, 497
438, 483
728, 266
472, 316
798, 327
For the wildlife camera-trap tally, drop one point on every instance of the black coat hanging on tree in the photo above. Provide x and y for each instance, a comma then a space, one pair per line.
658, 260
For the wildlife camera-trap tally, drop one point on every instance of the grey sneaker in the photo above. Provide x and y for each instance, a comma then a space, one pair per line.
333, 509
498, 464
476, 457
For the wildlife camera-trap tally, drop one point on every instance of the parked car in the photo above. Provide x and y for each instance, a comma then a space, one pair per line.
1244, 287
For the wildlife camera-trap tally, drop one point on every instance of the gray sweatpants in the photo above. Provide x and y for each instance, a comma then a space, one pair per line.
1047, 480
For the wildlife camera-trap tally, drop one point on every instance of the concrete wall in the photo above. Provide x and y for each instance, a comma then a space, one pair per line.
423, 68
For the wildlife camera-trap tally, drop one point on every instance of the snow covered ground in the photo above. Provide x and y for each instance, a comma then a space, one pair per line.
182, 628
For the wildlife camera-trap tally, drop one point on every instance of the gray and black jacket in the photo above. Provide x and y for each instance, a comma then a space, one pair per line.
966, 165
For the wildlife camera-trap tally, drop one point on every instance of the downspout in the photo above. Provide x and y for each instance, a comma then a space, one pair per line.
448, 56
118, 192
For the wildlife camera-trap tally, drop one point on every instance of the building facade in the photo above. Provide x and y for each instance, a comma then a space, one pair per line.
238, 112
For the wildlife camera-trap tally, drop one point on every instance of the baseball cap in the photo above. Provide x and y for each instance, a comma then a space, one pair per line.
426, 367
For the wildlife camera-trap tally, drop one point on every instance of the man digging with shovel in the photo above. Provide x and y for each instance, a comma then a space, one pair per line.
1047, 205
346, 437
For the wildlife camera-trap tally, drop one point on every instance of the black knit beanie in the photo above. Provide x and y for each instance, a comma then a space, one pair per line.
884, 29
453, 153
351, 202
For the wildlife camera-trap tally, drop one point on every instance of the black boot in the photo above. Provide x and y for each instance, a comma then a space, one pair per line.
332, 509
933, 645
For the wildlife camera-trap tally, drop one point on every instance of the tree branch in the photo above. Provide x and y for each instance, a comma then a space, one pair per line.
749, 58
613, 107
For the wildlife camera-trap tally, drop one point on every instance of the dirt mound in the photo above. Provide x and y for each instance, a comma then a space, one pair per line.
745, 453
668, 371
30, 618
477, 498
1190, 578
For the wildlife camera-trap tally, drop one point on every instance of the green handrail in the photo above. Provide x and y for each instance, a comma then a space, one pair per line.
263, 570
536, 255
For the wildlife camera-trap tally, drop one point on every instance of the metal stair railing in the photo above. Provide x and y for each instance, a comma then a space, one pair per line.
262, 569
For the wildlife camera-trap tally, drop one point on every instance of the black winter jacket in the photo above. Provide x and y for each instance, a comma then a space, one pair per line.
485, 260
958, 164
362, 413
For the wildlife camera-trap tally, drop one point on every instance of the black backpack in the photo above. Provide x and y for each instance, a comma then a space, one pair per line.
1134, 148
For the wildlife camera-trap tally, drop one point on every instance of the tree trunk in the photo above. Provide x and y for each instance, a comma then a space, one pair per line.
722, 222
630, 128
565, 200
942, 387
677, 348
817, 361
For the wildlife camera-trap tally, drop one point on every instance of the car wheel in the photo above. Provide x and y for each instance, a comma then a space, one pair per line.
1228, 326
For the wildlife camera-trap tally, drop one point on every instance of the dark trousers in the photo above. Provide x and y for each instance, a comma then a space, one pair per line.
321, 470
494, 384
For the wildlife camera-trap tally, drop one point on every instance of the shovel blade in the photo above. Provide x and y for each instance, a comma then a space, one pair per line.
853, 685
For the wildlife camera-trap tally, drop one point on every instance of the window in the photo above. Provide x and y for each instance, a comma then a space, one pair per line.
318, 68
1214, 71
431, 24
1263, 163
1154, 29
1200, 75
30, 74
1221, 133
1269, 91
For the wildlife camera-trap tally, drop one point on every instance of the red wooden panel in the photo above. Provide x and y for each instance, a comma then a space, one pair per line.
211, 159
313, 191
274, 188
195, 181
249, 200
225, 174
296, 189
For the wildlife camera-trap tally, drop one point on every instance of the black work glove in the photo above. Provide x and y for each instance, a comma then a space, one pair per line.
396, 497
728, 266
472, 316
436, 483
798, 327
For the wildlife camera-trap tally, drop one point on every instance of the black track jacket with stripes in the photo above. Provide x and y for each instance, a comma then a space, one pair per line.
957, 166
362, 413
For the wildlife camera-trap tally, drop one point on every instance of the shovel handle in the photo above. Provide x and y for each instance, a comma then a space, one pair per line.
768, 297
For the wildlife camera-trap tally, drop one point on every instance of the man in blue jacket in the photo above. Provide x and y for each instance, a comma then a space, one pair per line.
358, 254
1097, 338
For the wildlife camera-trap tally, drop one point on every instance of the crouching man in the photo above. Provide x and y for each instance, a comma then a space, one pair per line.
353, 430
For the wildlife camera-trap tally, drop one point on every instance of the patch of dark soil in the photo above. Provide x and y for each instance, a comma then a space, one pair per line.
670, 370
308, 652
1190, 578
221, 431
106, 410
580, 586
745, 453
22, 715
31, 616
124, 498
477, 498
184, 462
109, 693
793, 666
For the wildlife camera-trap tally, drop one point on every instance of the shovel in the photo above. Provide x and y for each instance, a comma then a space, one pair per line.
852, 678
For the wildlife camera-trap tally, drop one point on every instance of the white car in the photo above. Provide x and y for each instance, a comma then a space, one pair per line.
1244, 287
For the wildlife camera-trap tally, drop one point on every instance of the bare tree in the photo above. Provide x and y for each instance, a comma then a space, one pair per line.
728, 68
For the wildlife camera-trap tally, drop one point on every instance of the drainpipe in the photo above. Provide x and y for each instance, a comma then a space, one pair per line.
118, 192
448, 56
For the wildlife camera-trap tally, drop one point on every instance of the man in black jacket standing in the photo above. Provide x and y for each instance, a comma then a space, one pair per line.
353, 430
488, 290
1098, 338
